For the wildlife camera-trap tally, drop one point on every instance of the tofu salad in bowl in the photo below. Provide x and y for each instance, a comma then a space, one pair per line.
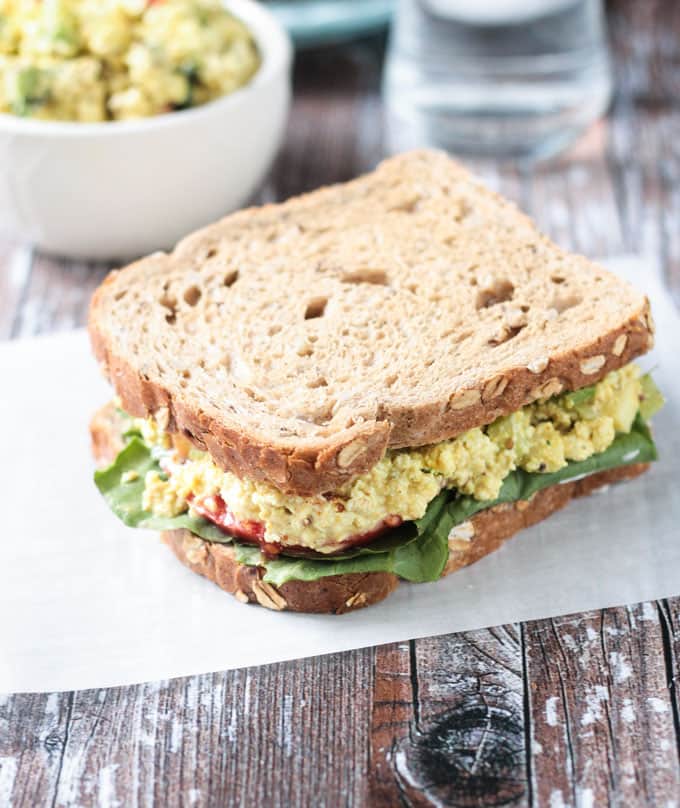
99, 60
126, 123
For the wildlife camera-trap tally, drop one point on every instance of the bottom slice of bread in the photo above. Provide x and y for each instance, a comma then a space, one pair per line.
343, 593
480, 536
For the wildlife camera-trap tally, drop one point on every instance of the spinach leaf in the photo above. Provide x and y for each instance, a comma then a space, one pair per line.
124, 495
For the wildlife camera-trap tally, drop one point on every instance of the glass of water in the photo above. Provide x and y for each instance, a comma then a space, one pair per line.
508, 78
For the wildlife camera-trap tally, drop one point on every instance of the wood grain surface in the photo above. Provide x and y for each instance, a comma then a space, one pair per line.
578, 711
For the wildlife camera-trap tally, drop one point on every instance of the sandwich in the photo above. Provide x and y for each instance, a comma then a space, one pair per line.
378, 381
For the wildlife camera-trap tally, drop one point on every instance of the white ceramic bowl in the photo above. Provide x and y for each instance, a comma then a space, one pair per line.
124, 188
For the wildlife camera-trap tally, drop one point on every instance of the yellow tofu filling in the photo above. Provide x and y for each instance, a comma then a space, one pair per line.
101, 60
541, 437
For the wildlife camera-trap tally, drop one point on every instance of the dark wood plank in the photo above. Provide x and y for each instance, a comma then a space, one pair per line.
391, 720
669, 617
448, 722
335, 129
600, 712
268, 736
644, 42
56, 295
33, 732
644, 146
15, 263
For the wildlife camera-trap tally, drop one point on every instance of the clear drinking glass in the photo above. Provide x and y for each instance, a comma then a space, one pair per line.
517, 78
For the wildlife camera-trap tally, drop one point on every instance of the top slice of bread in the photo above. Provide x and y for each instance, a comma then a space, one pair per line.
297, 342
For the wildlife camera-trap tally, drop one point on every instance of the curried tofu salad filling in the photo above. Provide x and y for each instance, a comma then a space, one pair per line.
106, 60
161, 481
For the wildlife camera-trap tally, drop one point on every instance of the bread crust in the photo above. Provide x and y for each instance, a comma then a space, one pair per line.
318, 461
482, 534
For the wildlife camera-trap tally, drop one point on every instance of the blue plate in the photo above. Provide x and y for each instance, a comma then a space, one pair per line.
321, 22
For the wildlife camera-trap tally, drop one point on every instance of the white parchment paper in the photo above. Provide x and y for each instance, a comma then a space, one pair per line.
86, 602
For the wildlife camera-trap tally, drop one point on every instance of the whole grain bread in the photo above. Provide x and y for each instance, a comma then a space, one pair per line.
297, 342
469, 542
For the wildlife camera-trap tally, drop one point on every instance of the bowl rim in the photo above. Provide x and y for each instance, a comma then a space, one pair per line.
275, 48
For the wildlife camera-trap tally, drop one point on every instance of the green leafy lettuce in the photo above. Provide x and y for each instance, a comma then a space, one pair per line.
416, 551
124, 495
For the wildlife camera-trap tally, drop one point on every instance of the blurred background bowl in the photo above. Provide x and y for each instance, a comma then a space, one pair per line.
124, 188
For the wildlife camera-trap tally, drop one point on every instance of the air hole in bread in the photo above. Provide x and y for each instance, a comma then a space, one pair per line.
320, 381
391, 380
273, 329
524, 308
305, 350
378, 277
192, 295
168, 301
412, 287
316, 308
564, 302
505, 335
557, 279
211, 253
231, 277
120, 295
497, 292
186, 373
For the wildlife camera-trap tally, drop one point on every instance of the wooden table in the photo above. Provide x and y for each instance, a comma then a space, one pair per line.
574, 711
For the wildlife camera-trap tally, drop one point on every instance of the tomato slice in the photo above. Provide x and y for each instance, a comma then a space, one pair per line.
216, 510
